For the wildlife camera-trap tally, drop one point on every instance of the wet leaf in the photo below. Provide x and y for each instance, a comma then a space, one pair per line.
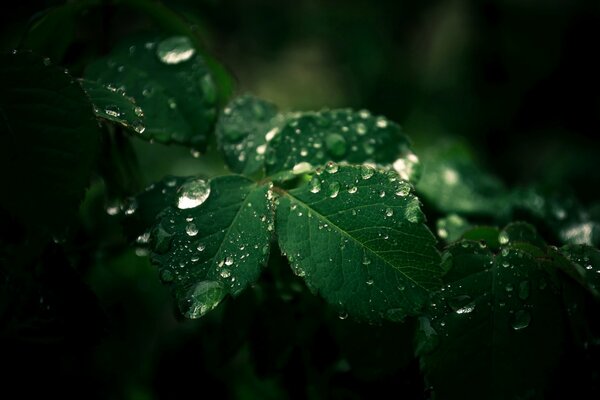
212, 241
169, 80
114, 105
357, 237
496, 330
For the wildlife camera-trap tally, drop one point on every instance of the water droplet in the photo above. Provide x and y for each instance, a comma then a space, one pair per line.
335, 144
172, 103
461, 304
225, 273
138, 111
381, 122
521, 320
331, 167
175, 50
271, 134
202, 298
47, 61
192, 194
301, 168
261, 149
442, 233
334, 189
366, 171
389, 212
352, 190
366, 261
191, 229
524, 290
201, 247
509, 287
343, 315
113, 111
503, 238
314, 185
361, 128
139, 127
166, 275
403, 189
228, 261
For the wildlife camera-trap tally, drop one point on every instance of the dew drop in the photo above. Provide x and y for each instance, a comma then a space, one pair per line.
192, 194
343, 315
403, 189
366, 261
370, 282
521, 320
191, 229
225, 273
381, 122
352, 190
361, 128
175, 50
113, 111
201, 247
334, 189
314, 185
389, 212
503, 238
228, 261
331, 167
462, 304
139, 127
366, 172
138, 111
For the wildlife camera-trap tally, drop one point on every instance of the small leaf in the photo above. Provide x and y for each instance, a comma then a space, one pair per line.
169, 81
212, 241
453, 183
497, 329
114, 105
359, 240
340, 135
587, 260
242, 131
48, 141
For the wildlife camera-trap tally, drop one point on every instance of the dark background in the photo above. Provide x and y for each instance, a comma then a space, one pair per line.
519, 79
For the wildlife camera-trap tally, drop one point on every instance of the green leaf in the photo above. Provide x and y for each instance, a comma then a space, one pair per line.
53, 31
242, 129
48, 141
212, 241
586, 260
356, 236
169, 81
496, 331
114, 105
453, 183
340, 135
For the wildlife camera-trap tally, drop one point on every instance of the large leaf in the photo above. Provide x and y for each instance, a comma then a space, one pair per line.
356, 236
169, 81
453, 183
114, 105
340, 135
496, 330
213, 240
48, 141
242, 132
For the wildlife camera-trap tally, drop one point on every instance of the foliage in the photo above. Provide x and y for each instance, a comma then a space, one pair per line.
321, 226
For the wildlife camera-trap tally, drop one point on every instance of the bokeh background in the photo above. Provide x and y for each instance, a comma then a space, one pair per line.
518, 80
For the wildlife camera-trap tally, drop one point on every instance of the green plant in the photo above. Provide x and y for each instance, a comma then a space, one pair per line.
494, 308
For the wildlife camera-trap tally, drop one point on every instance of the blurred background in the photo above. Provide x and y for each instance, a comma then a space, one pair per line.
519, 80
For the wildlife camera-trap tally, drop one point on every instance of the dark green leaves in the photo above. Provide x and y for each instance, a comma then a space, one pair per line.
114, 105
48, 141
356, 236
213, 240
169, 81
497, 327
355, 137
